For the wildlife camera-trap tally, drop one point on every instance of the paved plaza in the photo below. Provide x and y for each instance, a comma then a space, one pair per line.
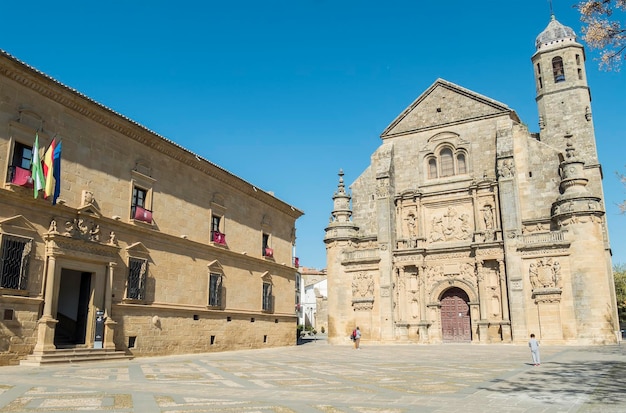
318, 377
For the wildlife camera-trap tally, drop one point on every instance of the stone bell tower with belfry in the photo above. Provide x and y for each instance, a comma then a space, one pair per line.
566, 123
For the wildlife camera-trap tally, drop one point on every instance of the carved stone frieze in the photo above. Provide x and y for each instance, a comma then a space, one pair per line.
489, 252
363, 304
555, 251
547, 296
61, 245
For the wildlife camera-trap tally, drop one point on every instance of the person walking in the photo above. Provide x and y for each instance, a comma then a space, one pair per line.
357, 338
534, 350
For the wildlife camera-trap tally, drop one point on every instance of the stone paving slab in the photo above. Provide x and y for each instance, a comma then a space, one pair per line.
318, 377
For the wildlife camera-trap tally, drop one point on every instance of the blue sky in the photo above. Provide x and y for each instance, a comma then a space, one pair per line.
285, 93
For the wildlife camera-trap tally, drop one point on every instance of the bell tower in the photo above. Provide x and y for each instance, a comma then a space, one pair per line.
563, 97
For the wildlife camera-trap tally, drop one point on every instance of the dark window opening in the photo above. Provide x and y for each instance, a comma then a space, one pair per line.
447, 162
8, 314
215, 290
131, 341
558, 69
267, 297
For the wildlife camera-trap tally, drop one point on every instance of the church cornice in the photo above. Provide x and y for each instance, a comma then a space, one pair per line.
39, 82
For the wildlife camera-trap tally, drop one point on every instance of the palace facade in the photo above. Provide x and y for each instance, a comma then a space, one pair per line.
147, 248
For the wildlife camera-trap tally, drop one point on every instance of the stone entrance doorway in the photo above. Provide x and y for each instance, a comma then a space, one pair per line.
75, 292
455, 316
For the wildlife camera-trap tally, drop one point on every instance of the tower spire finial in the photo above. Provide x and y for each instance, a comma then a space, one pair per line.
551, 9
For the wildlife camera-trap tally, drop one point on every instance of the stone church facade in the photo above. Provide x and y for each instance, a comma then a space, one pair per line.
467, 227
175, 254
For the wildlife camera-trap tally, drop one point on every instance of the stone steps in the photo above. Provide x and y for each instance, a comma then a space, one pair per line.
73, 355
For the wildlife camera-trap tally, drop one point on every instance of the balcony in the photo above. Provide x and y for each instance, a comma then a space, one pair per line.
20, 176
218, 238
141, 214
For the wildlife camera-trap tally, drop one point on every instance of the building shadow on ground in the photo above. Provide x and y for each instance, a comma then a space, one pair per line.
594, 381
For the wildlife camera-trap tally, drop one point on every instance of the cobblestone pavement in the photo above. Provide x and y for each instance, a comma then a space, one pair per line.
317, 377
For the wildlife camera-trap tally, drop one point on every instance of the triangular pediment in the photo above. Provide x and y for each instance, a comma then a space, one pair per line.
17, 224
215, 266
445, 104
91, 210
138, 249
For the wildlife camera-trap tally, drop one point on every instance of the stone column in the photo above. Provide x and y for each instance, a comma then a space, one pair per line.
109, 324
46, 325
483, 323
422, 287
401, 304
506, 322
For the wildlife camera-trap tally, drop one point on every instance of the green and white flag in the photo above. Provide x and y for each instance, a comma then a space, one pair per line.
35, 169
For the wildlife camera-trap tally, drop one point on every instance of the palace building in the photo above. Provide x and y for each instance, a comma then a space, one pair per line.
135, 245
467, 227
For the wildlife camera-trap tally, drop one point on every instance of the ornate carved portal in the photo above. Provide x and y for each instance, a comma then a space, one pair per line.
455, 316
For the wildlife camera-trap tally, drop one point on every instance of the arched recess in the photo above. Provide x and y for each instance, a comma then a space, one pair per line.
454, 297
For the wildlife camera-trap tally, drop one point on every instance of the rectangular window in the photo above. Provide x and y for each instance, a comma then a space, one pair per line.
267, 250
138, 208
14, 262
215, 290
137, 270
217, 235
268, 299
19, 170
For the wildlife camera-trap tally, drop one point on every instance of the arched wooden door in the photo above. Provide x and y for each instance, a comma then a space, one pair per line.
455, 316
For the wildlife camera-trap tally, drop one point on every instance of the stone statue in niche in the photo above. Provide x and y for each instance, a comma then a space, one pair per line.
488, 216
411, 225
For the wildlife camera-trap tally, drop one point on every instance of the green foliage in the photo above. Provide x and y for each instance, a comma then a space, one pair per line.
619, 275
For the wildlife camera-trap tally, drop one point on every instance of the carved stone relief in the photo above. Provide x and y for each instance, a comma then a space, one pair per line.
362, 285
545, 273
450, 226
506, 168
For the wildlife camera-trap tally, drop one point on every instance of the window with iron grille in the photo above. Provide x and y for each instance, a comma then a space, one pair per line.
268, 303
137, 270
14, 262
215, 290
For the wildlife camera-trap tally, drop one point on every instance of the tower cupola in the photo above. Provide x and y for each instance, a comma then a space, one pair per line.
556, 34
